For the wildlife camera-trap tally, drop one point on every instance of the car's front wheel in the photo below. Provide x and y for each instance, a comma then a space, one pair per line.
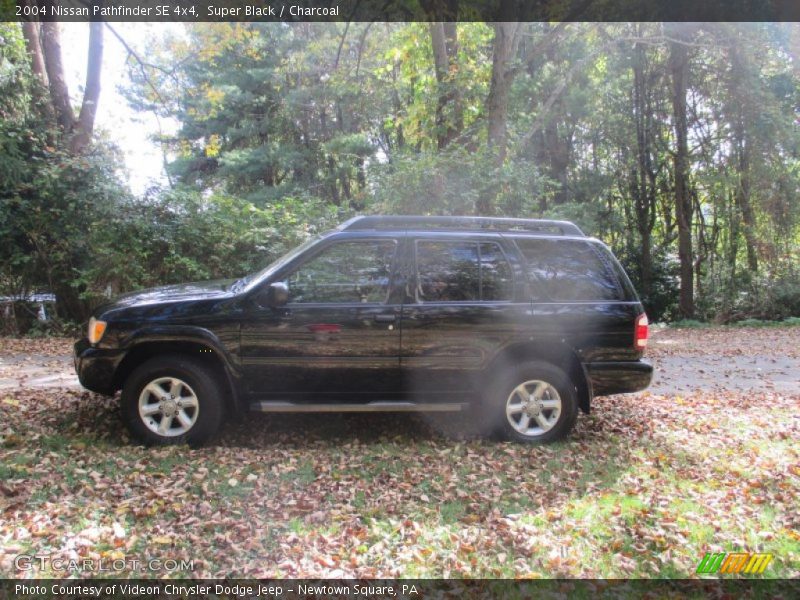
172, 400
534, 403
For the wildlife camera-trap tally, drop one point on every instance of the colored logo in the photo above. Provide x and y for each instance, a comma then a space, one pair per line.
733, 562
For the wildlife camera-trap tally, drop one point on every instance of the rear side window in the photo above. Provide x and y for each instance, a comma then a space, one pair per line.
462, 272
570, 270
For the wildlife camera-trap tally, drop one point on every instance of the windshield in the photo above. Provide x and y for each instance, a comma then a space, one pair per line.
250, 281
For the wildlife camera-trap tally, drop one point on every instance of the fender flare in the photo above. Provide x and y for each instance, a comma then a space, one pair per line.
177, 335
555, 352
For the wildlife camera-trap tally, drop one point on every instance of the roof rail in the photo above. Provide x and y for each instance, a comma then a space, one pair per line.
543, 226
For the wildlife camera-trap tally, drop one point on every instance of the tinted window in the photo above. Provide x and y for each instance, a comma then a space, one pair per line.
496, 280
346, 272
462, 272
570, 270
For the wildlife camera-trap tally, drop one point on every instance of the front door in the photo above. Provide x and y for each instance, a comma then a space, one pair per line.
339, 333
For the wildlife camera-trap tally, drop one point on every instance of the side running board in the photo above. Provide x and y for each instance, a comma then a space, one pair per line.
291, 407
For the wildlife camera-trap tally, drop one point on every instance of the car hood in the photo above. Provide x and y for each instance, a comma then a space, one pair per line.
198, 290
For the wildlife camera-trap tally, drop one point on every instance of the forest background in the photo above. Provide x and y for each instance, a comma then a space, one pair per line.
678, 144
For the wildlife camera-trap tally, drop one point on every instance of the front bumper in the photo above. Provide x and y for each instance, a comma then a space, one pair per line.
96, 366
619, 377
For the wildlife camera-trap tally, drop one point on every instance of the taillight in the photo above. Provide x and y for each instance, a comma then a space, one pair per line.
640, 332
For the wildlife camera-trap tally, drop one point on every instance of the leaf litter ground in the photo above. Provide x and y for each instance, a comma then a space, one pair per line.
643, 488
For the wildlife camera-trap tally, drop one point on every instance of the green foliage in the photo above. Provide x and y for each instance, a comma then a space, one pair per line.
288, 129
51, 203
54, 326
453, 181
179, 236
731, 295
261, 117
16, 85
659, 297
75, 231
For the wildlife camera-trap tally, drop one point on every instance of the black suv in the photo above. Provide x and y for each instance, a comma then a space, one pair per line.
521, 321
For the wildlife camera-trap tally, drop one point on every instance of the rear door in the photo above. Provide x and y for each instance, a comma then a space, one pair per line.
463, 306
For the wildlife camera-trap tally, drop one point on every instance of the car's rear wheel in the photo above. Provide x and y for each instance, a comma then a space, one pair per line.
172, 400
533, 403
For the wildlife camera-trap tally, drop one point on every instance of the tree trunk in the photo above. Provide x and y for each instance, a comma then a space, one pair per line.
743, 191
59, 93
40, 102
558, 144
741, 108
85, 125
444, 41
69, 305
794, 46
643, 178
30, 30
679, 72
733, 241
506, 39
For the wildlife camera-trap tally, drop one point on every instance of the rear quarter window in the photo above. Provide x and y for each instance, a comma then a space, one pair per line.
570, 270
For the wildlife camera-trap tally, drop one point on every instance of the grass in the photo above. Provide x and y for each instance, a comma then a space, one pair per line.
639, 490
422, 505
575, 516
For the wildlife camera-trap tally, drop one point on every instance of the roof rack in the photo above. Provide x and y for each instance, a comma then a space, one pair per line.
543, 226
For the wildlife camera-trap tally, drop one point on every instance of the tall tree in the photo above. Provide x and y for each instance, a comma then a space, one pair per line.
77, 131
30, 29
444, 41
679, 74
504, 48
643, 185
84, 126
59, 92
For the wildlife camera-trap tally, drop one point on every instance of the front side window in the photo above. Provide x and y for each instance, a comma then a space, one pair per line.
347, 272
462, 272
570, 270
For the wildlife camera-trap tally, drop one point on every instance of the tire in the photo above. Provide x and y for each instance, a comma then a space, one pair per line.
172, 399
536, 397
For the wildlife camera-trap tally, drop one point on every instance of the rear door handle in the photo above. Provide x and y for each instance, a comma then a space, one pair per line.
385, 318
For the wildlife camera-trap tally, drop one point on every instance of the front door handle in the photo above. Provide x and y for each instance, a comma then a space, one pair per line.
385, 318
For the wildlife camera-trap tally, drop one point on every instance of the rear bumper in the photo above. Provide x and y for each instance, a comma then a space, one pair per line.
96, 366
619, 377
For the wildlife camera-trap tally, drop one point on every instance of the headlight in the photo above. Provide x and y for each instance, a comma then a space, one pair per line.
96, 330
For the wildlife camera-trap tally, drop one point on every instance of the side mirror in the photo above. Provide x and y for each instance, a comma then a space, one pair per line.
277, 294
